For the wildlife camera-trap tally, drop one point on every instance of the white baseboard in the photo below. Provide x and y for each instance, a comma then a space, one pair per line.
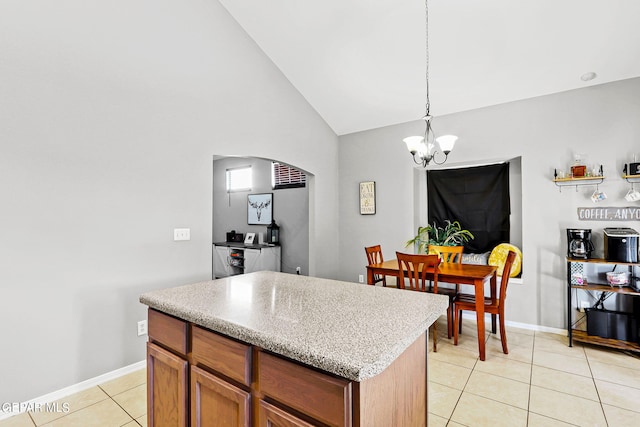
67, 391
472, 316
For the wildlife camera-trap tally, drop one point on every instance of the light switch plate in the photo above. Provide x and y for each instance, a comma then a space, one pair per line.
181, 234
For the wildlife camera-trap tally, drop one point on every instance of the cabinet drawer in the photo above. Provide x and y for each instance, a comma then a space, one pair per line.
224, 355
321, 396
168, 331
270, 416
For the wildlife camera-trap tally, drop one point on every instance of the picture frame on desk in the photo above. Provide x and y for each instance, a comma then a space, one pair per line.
249, 238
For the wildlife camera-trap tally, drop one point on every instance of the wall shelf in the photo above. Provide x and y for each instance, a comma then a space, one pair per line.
578, 181
584, 180
631, 178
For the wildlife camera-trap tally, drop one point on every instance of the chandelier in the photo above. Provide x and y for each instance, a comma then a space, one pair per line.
423, 148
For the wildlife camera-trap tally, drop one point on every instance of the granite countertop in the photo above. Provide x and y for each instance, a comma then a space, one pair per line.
349, 329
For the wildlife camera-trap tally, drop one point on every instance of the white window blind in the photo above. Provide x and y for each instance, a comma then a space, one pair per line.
239, 179
285, 176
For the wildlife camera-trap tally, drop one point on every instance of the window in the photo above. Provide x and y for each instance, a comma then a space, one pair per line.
239, 179
285, 176
478, 197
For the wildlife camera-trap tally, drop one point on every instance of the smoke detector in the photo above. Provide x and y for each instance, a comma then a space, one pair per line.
588, 76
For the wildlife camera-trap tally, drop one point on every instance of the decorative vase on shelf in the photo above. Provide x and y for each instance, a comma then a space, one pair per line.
578, 168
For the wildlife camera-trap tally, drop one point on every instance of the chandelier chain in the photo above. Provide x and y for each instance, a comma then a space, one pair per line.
426, 23
423, 149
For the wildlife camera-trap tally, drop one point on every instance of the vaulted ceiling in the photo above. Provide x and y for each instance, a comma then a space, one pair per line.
361, 63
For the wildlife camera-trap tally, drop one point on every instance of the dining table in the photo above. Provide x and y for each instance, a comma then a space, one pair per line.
458, 273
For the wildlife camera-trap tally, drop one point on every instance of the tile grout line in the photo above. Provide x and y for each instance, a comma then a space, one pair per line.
570, 373
507, 378
462, 392
125, 411
533, 349
71, 413
88, 406
121, 407
593, 378
529, 411
32, 420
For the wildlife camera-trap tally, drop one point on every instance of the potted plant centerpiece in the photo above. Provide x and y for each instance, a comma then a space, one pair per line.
452, 234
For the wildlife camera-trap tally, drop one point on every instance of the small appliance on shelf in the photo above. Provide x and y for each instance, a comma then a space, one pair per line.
232, 236
621, 244
579, 243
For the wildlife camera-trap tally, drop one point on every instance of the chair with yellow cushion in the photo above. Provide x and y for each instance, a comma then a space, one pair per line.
498, 257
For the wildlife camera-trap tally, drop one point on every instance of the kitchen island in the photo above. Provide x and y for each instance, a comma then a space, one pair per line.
276, 349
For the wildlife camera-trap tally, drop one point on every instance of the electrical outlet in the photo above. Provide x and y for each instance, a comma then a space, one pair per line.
181, 234
142, 328
583, 305
297, 270
361, 278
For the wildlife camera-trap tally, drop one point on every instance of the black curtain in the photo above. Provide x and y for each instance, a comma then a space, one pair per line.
477, 197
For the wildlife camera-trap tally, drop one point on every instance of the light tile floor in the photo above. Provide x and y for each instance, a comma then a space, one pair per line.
541, 383
120, 402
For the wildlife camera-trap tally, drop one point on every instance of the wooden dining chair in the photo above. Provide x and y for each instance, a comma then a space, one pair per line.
417, 269
448, 255
468, 302
374, 256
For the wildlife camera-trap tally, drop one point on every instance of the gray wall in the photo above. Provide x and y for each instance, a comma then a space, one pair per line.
599, 121
108, 124
290, 210
106, 141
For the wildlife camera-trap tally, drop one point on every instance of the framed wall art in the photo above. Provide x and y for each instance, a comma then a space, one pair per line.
259, 209
368, 198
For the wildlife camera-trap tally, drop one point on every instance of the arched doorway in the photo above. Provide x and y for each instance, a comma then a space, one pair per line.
290, 210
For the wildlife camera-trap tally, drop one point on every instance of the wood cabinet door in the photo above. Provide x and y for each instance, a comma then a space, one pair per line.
216, 403
271, 416
167, 388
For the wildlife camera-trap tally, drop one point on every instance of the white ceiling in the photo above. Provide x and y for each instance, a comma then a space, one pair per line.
361, 63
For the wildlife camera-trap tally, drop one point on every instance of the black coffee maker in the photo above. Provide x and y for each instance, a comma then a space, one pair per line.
579, 243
